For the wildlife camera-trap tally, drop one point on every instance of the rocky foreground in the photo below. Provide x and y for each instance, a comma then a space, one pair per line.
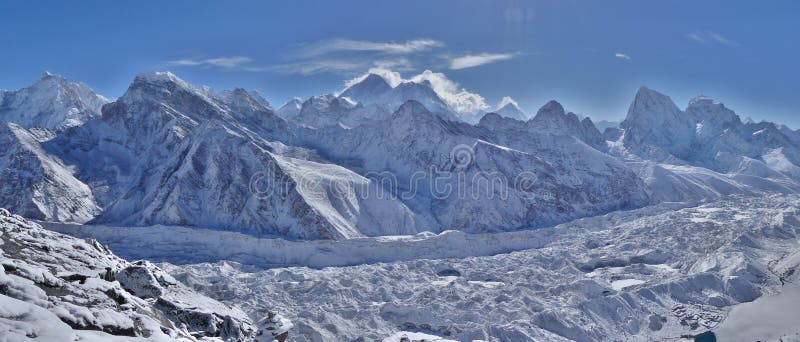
55, 287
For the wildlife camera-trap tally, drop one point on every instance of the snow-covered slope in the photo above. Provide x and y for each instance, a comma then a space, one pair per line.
37, 184
58, 288
52, 103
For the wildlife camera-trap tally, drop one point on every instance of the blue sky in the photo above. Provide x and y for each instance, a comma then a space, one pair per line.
589, 55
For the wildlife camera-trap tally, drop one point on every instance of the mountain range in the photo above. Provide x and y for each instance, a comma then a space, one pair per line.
374, 160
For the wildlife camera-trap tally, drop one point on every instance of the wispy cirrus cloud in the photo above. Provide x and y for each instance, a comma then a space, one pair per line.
621, 55
316, 66
219, 62
706, 37
471, 61
343, 45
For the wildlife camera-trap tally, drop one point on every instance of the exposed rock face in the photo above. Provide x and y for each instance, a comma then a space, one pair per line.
55, 285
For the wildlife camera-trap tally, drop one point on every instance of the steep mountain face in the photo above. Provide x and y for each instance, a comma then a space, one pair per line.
290, 109
56, 287
37, 184
175, 155
51, 103
655, 126
552, 119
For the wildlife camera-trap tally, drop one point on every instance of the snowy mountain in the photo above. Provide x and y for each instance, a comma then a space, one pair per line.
168, 152
175, 155
415, 145
51, 103
552, 119
510, 109
374, 90
709, 135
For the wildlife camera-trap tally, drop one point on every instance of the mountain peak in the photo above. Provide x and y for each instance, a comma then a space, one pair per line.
158, 77
551, 108
510, 109
368, 90
48, 74
648, 102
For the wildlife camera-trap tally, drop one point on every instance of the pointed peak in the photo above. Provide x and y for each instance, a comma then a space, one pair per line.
373, 78
550, 108
645, 93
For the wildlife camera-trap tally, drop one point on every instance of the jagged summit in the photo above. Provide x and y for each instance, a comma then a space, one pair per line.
553, 119
551, 109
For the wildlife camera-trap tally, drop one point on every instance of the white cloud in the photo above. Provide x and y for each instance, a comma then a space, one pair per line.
622, 56
711, 37
506, 100
316, 66
458, 98
393, 78
337, 45
312, 67
470, 61
220, 62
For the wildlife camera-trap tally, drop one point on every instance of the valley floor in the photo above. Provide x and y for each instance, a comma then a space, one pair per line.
654, 273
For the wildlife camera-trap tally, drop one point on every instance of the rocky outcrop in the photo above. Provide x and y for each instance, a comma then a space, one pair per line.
55, 285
